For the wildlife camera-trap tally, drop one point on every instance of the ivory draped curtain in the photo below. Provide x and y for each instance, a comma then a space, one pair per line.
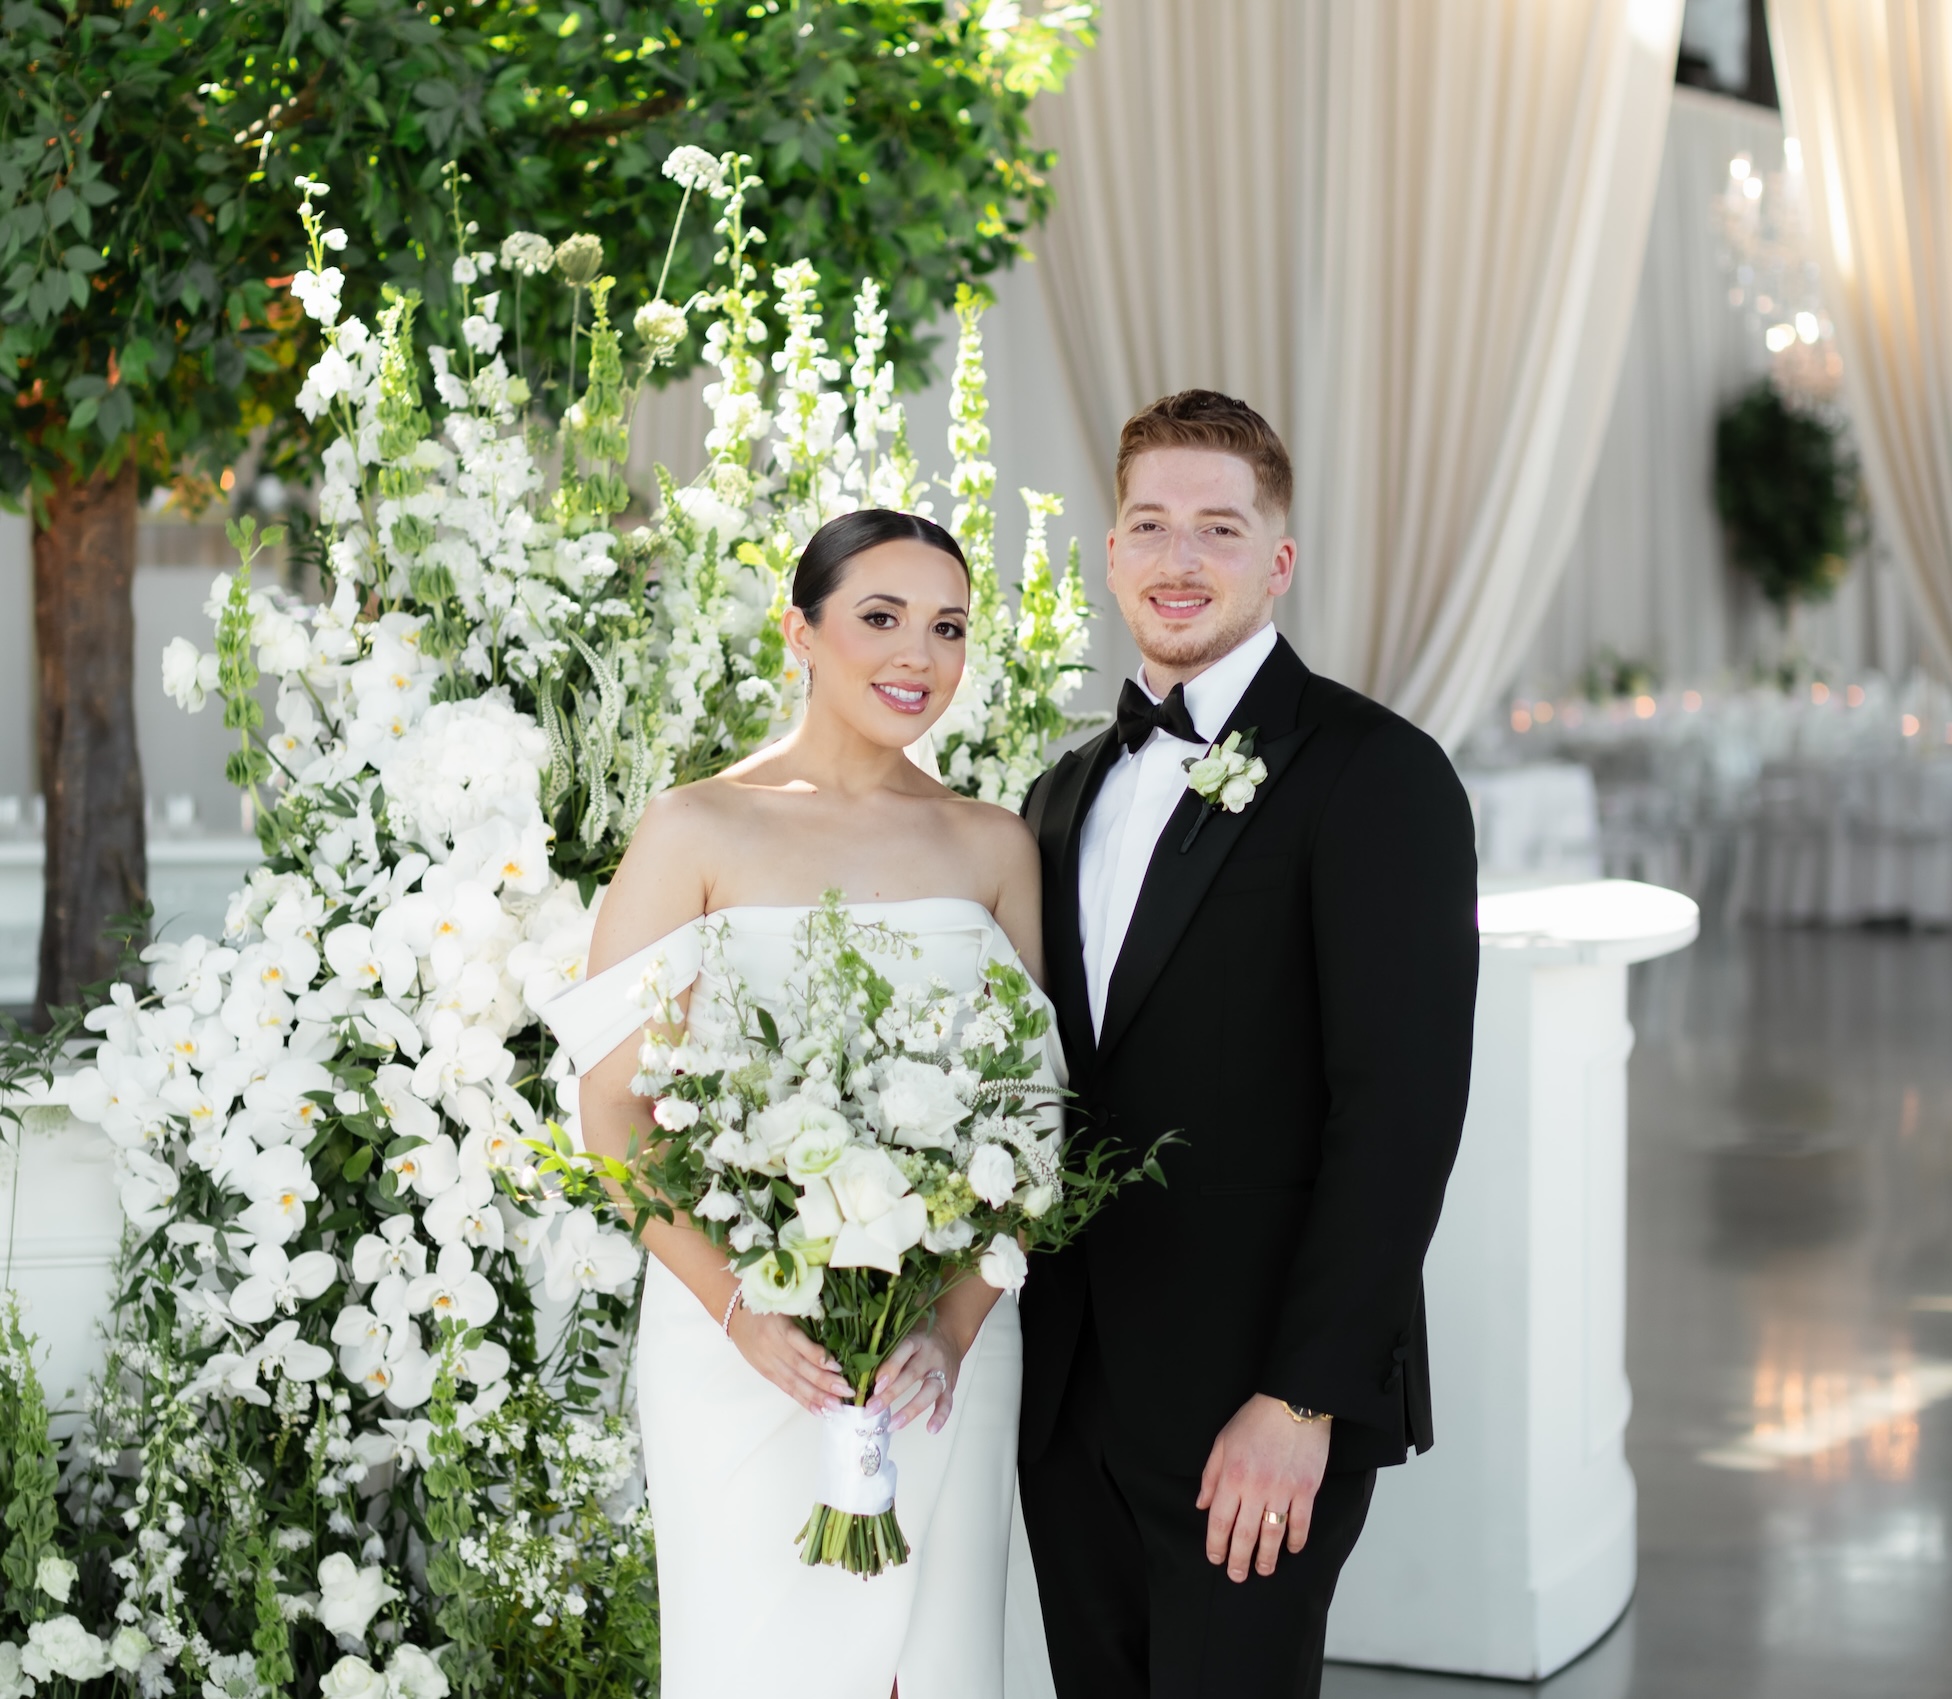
1867, 91
1409, 232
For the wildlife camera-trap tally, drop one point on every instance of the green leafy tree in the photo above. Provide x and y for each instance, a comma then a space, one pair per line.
1790, 498
148, 160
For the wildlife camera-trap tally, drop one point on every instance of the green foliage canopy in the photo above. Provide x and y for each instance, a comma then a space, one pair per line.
147, 160
1787, 488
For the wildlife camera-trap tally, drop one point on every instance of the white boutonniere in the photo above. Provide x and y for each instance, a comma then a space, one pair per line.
1225, 777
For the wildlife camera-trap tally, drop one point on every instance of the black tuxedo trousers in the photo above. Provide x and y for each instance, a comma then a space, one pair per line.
1294, 1004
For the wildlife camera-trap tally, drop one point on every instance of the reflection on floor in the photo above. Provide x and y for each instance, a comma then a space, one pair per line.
1789, 1330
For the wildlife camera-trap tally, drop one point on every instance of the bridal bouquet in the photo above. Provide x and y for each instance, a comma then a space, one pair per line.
858, 1148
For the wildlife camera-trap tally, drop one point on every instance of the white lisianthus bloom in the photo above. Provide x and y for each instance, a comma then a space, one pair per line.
1004, 1265
56, 1577
918, 1105
775, 1128
992, 1175
353, 1678
881, 1217
675, 1114
818, 1148
279, 1283
13, 1684
584, 1257
128, 1648
188, 675
350, 1596
412, 1674
62, 1647
950, 1237
782, 1282
1238, 791
1037, 1201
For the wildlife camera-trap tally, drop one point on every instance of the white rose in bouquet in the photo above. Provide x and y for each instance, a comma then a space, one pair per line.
412, 1674
993, 1175
919, 1106
881, 1216
775, 1130
1004, 1265
353, 1678
782, 1282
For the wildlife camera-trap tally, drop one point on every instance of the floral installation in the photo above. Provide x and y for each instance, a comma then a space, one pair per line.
857, 1149
364, 1425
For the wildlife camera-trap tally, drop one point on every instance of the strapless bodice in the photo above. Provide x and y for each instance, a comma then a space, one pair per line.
946, 939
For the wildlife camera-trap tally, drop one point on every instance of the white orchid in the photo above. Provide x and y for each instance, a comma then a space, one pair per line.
428, 1168
188, 675
465, 1214
453, 1290
587, 1257
280, 1283
371, 962
279, 1184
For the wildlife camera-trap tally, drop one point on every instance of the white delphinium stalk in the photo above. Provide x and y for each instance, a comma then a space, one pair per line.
809, 412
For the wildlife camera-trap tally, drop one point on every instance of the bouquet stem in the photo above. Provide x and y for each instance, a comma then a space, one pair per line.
852, 1525
861, 1545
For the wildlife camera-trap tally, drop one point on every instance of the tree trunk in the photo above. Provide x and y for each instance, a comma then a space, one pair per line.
96, 863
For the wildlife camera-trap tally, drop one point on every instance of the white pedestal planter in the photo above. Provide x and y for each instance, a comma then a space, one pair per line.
1509, 1548
60, 1224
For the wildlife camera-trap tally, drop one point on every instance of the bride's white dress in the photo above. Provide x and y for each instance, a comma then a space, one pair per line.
730, 1459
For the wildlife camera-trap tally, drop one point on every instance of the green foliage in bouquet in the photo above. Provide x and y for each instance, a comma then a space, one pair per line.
365, 1420
1790, 498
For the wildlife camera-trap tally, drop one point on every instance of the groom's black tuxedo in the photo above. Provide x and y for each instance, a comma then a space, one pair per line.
1293, 1000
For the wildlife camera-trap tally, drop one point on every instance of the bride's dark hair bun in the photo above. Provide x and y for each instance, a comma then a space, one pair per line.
823, 562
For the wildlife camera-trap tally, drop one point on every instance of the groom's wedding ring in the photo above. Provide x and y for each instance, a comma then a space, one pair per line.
1276, 1518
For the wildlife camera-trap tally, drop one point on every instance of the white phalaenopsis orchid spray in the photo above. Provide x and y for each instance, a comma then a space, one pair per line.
858, 1149
365, 1390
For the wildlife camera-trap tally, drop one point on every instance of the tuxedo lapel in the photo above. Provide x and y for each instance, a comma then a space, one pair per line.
1059, 828
1177, 877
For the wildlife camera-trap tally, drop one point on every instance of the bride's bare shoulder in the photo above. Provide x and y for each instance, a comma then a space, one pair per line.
996, 834
664, 879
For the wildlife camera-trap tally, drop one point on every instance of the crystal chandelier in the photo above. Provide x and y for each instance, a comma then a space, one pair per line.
1764, 225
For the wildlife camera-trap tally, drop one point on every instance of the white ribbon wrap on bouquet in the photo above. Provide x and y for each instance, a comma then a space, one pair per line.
856, 1475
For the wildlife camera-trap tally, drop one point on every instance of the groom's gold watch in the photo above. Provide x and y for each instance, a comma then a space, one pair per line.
1301, 1412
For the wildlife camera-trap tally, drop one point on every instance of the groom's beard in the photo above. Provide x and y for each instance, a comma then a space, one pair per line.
1195, 647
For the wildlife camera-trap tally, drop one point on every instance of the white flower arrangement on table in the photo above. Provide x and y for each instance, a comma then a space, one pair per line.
364, 1412
857, 1149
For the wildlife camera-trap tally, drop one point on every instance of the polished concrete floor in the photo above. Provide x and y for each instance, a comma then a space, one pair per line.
1789, 1330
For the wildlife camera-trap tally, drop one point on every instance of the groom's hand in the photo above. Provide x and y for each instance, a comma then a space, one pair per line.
1264, 1460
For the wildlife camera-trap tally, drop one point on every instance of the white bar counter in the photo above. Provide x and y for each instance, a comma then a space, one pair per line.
1508, 1549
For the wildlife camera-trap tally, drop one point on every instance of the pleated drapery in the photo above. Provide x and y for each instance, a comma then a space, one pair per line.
1409, 232
1867, 92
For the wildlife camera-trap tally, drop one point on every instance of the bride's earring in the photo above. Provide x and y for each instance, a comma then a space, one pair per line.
808, 664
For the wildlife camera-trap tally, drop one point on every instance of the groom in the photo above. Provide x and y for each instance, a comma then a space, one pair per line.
1213, 1374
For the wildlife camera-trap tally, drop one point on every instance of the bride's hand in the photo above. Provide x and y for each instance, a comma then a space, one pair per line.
919, 1378
774, 1346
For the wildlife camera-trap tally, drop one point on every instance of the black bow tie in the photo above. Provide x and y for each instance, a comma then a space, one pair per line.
1139, 716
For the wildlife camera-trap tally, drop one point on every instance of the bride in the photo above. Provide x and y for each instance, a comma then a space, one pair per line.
730, 1400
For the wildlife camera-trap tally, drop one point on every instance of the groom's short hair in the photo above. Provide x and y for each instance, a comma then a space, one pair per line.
1204, 418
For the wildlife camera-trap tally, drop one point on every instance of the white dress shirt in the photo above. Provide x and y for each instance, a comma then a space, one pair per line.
1133, 805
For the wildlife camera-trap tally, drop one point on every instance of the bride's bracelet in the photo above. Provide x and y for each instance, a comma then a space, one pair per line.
725, 1324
